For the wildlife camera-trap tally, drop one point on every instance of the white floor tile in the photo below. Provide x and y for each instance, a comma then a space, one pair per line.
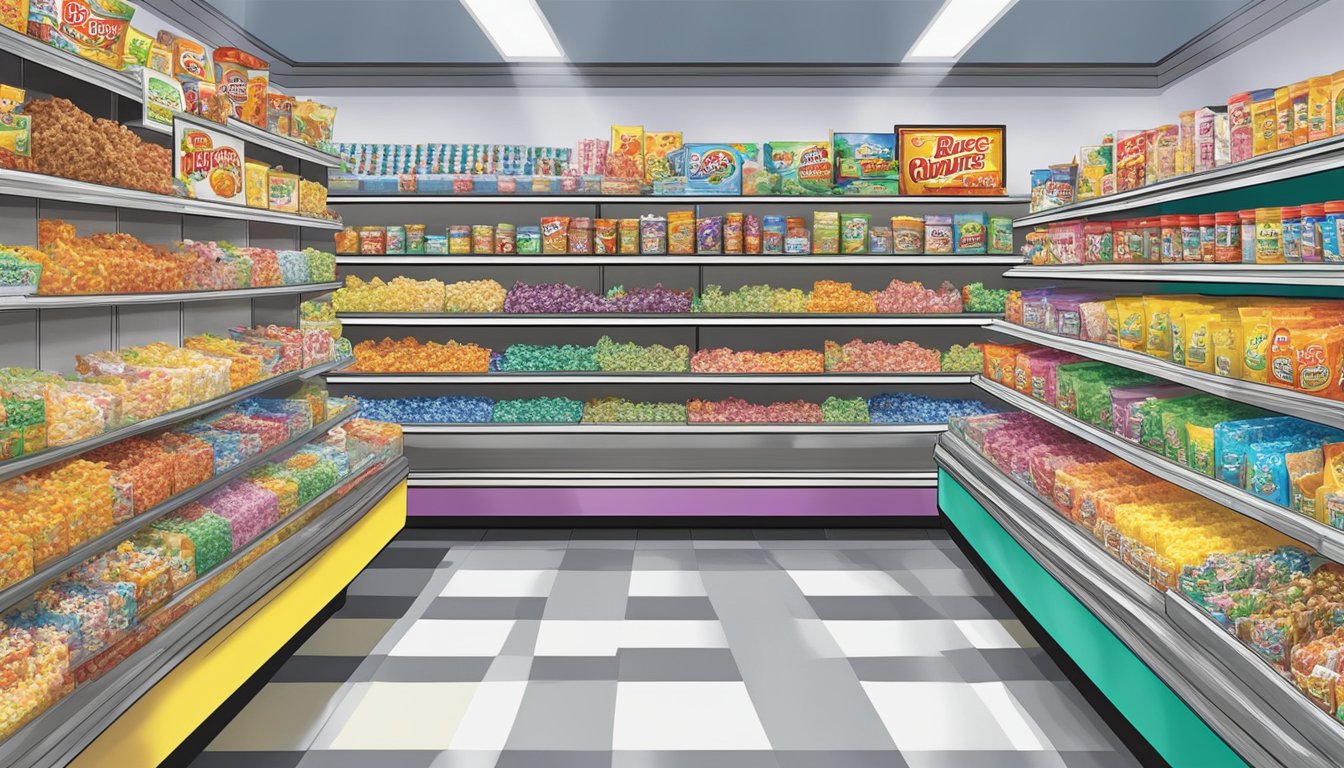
490, 716
686, 716
578, 637
846, 584
1014, 722
666, 584
936, 716
454, 637
669, 633
986, 633
896, 638
397, 716
499, 583
583, 637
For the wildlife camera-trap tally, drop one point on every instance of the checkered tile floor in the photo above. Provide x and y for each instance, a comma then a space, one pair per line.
666, 649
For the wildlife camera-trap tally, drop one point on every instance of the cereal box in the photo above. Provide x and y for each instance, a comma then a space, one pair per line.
865, 163
656, 147
951, 160
1094, 167
209, 163
92, 29
626, 160
714, 169
803, 166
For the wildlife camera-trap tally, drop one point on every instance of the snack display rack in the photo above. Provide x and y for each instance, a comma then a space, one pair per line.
1170, 665
446, 455
47, 332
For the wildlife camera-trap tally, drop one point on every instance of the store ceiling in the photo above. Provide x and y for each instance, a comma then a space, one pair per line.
696, 38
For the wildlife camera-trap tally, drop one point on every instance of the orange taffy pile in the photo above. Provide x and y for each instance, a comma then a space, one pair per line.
103, 263
410, 356
832, 296
724, 360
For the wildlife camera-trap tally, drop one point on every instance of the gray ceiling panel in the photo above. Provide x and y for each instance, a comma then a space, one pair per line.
1096, 31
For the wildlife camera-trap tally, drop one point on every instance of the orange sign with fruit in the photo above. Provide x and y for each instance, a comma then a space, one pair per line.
209, 164
951, 160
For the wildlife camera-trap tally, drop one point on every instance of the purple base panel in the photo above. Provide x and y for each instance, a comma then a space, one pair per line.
673, 502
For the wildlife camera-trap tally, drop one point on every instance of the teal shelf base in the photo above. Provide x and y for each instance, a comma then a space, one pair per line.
1174, 730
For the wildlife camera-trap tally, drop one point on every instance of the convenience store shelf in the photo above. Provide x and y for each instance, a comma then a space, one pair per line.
684, 479
18, 591
33, 461
1290, 733
118, 299
60, 733
250, 134
649, 378
1291, 163
1244, 274
687, 319
677, 428
700, 259
336, 197
1277, 399
1327, 540
41, 186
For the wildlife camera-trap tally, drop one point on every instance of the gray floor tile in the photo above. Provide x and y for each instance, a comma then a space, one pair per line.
652, 664
1012, 664
486, 608
513, 558
1063, 714
924, 558
462, 758
430, 669
734, 560
984, 759
816, 559
628, 758
565, 715
840, 759
363, 758
374, 607
317, 669
669, 608
663, 538
409, 557
604, 538
723, 534
598, 559
789, 534
522, 640
588, 595
906, 669
519, 758
390, 581
878, 534
247, 760
906, 607
666, 560
575, 668
957, 607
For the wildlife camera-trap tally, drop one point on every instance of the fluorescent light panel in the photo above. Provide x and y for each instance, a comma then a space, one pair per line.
517, 28
957, 26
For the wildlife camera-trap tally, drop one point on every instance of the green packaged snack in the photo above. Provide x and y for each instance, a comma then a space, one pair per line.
1000, 234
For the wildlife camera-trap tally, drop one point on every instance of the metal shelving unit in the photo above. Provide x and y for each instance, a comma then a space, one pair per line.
16, 592
673, 429
684, 479
119, 299
1295, 162
60, 733
1327, 540
1243, 699
699, 259
36, 185
649, 378
338, 197
15, 467
414, 320
1286, 401
1330, 275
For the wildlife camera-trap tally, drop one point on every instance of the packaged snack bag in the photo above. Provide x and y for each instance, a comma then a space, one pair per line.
606, 236
652, 234
854, 232
825, 232
969, 233
1320, 116
1000, 234
804, 167
284, 191
190, 61
681, 232
279, 112
256, 184
656, 147
1131, 155
732, 233
1264, 122
1298, 93
1132, 328
92, 29
865, 163
629, 236
555, 234
713, 169
627, 152
1267, 470
751, 234
1318, 354
1157, 320
14, 14
1283, 110
312, 123
244, 78
709, 234
1199, 450
135, 48
1227, 349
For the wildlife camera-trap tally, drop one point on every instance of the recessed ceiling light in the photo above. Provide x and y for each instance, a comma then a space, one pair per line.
957, 26
517, 28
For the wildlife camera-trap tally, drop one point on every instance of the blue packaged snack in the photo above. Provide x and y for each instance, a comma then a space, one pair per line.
865, 163
1231, 438
711, 169
1267, 468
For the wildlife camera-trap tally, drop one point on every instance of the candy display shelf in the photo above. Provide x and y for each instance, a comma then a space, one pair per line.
1327, 540
1242, 274
338, 197
689, 319
118, 299
43, 187
705, 259
128, 86
648, 378
684, 479
1184, 661
59, 734
17, 591
32, 461
1285, 401
1293, 163
675, 428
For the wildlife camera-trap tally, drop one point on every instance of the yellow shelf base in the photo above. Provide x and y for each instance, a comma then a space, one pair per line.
163, 718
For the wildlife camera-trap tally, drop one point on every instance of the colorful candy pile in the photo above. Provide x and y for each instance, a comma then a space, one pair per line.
752, 299
900, 297
975, 297
538, 410
559, 298
1290, 462
880, 357
737, 411
835, 297
545, 357
618, 410
401, 294
479, 296
844, 410
963, 358
908, 408
724, 360
120, 263
614, 356
83, 623
411, 356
